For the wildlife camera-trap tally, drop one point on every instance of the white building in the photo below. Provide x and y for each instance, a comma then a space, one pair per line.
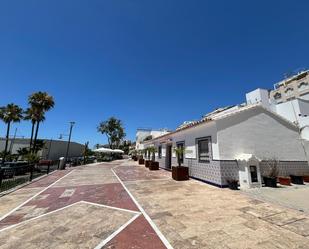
214, 143
145, 133
263, 128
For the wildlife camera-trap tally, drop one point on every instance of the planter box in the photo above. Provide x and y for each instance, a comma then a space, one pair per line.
284, 180
141, 161
306, 178
270, 182
154, 166
147, 163
180, 173
297, 179
233, 185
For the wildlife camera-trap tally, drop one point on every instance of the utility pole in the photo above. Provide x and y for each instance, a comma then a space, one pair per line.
69, 141
49, 147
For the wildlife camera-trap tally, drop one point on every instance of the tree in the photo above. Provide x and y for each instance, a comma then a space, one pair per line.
31, 114
9, 114
40, 103
114, 131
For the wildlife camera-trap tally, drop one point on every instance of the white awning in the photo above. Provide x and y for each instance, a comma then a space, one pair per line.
103, 150
118, 151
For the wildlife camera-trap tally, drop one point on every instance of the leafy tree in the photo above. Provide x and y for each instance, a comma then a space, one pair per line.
40, 103
9, 114
114, 131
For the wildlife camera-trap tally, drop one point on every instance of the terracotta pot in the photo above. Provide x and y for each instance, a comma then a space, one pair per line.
180, 173
284, 180
147, 163
141, 161
306, 178
154, 166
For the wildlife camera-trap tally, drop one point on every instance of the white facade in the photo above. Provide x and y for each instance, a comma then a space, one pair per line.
296, 110
141, 134
247, 130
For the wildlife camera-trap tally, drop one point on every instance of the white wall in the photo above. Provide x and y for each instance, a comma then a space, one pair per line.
260, 133
258, 96
189, 136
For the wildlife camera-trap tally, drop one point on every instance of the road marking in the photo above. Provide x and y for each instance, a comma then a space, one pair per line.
111, 207
152, 224
34, 218
25, 202
109, 238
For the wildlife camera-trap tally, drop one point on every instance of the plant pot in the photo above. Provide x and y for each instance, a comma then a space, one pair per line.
270, 182
141, 161
284, 180
306, 178
297, 179
233, 185
180, 173
154, 165
147, 163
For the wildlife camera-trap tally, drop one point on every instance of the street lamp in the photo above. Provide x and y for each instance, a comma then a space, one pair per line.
69, 141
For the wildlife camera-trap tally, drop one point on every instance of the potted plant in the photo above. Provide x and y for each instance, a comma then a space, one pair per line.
232, 183
140, 158
297, 179
283, 180
147, 154
180, 173
270, 177
153, 164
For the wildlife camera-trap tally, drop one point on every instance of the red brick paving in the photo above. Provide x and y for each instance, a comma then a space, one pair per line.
138, 235
48, 180
135, 173
112, 194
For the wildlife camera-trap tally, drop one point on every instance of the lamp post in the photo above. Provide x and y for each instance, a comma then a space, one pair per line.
69, 141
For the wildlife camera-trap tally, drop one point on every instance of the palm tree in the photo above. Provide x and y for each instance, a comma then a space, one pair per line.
9, 114
31, 114
114, 131
40, 102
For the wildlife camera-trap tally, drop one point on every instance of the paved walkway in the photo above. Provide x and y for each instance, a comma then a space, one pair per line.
123, 205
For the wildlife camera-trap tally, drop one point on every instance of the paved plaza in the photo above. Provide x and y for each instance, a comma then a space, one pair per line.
124, 205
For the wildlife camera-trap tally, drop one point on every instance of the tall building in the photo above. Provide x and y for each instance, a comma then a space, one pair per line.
296, 86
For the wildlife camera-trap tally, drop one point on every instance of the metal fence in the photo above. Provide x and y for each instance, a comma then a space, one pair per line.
14, 174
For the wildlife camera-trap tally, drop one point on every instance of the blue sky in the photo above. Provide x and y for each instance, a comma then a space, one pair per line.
149, 63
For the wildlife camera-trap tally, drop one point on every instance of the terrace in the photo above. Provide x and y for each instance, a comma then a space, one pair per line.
124, 205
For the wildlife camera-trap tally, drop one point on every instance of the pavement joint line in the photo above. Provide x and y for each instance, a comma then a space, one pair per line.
115, 233
152, 224
151, 180
111, 207
25, 202
37, 217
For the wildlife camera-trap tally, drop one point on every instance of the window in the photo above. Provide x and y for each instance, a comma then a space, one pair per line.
277, 96
181, 156
303, 86
289, 91
160, 151
203, 149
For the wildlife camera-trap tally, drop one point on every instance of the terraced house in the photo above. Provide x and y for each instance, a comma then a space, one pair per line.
258, 129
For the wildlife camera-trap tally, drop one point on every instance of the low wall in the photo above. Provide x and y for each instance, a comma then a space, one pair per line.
218, 171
